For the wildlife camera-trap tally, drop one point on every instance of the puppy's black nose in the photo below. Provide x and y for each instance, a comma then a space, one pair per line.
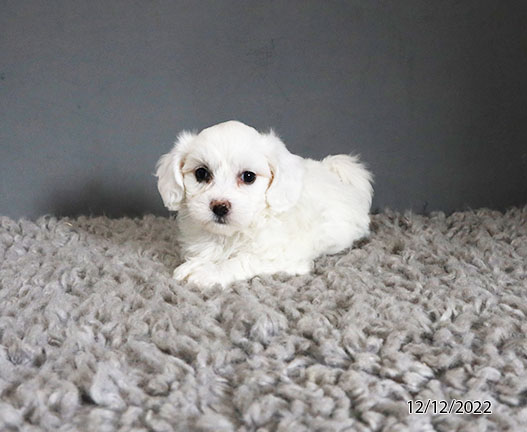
220, 208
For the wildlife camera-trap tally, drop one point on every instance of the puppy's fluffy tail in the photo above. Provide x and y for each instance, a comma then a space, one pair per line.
351, 171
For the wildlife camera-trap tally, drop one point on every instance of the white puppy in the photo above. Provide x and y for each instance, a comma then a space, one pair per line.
247, 206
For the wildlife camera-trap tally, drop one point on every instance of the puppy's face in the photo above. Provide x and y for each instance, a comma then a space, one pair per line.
225, 178
227, 174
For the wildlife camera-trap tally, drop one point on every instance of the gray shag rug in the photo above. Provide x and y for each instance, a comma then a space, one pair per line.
96, 336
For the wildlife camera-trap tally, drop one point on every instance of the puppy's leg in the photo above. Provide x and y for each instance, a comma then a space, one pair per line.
240, 267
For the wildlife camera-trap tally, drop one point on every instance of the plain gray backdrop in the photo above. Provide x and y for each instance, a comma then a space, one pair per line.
431, 94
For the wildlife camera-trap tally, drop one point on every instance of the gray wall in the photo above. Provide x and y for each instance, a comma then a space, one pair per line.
432, 94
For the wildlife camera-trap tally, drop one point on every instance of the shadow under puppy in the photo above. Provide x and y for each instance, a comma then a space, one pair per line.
247, 206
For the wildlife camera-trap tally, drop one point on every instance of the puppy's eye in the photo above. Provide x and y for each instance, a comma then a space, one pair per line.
202, 175
248, 177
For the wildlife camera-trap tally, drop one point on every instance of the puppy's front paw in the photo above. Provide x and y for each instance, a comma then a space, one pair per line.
202, 274
207, 276
184, 270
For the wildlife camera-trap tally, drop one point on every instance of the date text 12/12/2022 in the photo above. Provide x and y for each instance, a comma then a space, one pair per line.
449, 407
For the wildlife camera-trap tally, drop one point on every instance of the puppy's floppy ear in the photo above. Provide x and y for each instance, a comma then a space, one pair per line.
168, 172
288, 174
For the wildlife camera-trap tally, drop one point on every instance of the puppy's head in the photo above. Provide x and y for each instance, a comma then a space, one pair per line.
226, 175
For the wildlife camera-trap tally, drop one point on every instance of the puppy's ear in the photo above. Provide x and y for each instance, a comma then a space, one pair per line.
288, 174
168, 172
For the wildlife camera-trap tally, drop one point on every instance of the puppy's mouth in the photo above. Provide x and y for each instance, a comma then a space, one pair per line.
222, 220
221, 225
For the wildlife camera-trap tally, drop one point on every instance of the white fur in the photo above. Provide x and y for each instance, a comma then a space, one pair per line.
296, 210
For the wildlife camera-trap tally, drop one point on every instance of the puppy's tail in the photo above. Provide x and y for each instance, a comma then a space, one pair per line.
351, 171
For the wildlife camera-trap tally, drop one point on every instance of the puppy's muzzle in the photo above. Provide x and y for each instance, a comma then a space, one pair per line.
220, 209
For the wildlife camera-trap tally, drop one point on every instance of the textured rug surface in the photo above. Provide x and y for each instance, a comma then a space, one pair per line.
96, 336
